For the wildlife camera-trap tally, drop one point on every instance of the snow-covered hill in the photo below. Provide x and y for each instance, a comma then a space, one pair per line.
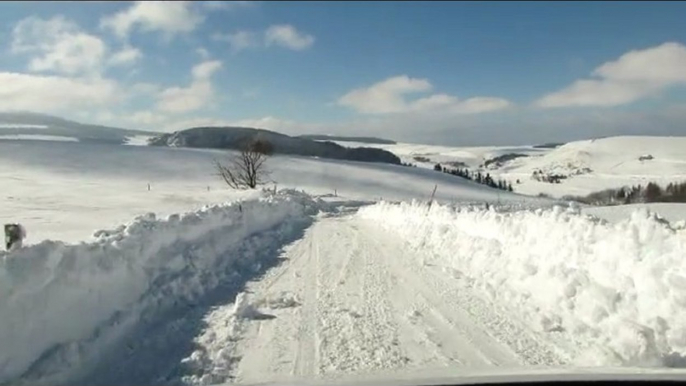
235, 138
55, 188
42, 127
604, 163
428, 155
591, 165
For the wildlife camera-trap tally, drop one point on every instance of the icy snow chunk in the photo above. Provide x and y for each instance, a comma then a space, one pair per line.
283, 299
242, 307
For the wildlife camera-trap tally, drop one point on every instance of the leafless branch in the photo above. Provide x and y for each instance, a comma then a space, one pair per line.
247, 169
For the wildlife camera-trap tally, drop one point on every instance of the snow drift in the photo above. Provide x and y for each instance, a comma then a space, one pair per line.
615, 294
53, 294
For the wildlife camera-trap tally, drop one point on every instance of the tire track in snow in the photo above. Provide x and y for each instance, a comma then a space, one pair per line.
459, 309
366, 304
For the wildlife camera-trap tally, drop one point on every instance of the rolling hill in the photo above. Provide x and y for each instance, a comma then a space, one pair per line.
28, 125
234, 137
339, 138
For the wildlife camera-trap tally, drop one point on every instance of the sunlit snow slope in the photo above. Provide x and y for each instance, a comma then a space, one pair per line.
594, 164
65, 191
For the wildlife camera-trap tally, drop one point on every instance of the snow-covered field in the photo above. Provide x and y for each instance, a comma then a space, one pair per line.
65, 191
471, 156
253, 287
601, 163
36, 137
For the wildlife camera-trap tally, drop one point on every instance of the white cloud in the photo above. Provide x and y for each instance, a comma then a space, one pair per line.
238, 40
228, 5
268, 122
206, 69
145, 88
480, 105
635, 75
283, 35
196, 122
198, 94
287, 36
384, 97
55, 93
126, 56
146, 118
391, 96
185, 99
59, 45
152, 120
170, 18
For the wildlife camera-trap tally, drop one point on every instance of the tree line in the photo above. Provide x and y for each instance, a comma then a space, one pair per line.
484, 179
652, 192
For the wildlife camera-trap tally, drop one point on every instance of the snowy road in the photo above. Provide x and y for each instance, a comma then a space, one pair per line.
348, 298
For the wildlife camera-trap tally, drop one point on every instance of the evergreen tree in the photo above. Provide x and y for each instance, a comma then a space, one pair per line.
652, 192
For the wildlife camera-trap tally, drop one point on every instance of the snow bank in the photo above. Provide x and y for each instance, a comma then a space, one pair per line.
37, 137
54, 293
615, 292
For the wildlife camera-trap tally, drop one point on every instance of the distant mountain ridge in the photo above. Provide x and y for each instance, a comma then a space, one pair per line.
28, 123
232, 137
371, 140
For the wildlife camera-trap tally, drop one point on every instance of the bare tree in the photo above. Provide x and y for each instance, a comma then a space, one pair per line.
247, 169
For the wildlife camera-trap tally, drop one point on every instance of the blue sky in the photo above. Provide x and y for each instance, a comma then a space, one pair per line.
458, 73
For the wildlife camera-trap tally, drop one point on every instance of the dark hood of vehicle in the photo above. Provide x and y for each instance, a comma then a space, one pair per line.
462, 376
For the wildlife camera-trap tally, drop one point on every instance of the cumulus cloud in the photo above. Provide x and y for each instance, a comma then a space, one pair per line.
198, 94
205, 69
196, 122
152, 120
55, 93
126, 56
287, 36
228, 5
58, 45
143, 88
635, 75
391, 96
282, 35
146, 118
387, 96
169, 18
